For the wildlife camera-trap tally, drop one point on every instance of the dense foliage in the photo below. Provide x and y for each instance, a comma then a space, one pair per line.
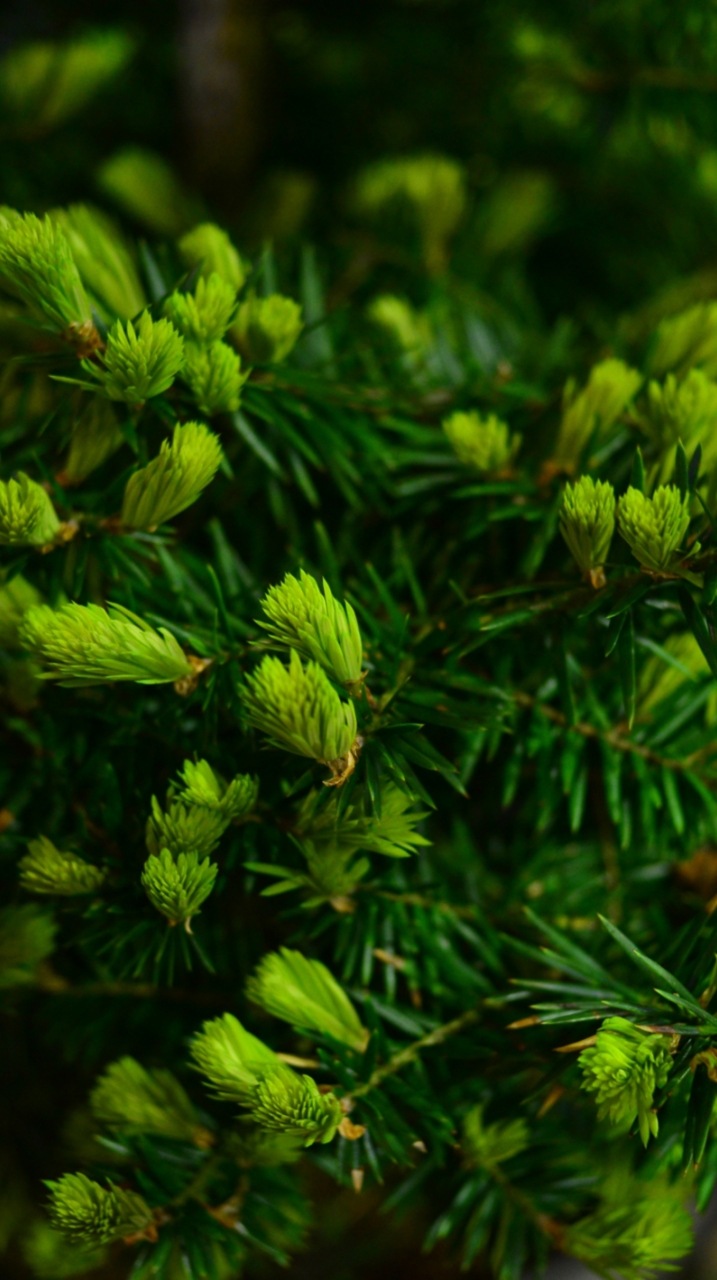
357, 626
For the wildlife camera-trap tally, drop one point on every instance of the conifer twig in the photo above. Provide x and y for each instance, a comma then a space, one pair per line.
411, 1052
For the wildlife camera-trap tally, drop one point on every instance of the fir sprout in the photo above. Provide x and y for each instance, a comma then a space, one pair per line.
485, 444
85, 1211
311, 621
178, 888
655, 528
96, 436
27, 937
594, 410
185, 828
623, 1069
27, 516
133, 1099
213, 375
85, 644
43, 83
230, 1058
174, 479
430, 188
492, 1144
391, 832
143, 184
267, 329
686, 341
16, 597
304, 993
140, 361
291, 1104
37, 266
202, 786
204, 315
587, 523
298, 709
45, 869
640, 1231
408, 329
677, 410
208, 247
51, 1256
103, 259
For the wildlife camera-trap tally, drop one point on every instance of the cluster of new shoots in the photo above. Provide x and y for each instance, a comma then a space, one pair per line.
204, 315
85, 1211
214, 377
45, 869
37, 266
132, 1099
491, 1144
623, 1069
587, 523
304, 993
311, 621
27, 516
266, 329
85, 644
591, 412
391, 832
407, 329
209, 248
299, 709
676, 411
103, 260
184, 828
174, 479
641, 1230
655, 528
177, 887
429, 188
201, 786
240, 1068
687, 340
484, 444
139, 361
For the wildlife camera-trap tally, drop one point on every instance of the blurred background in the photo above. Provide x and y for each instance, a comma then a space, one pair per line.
588, 138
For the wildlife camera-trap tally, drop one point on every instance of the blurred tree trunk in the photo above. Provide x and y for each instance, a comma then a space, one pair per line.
223, 79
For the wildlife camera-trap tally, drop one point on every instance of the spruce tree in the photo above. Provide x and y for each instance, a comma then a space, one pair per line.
358, 708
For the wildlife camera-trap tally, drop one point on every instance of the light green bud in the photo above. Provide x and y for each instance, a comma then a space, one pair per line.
305, 993
85, 644
230, 1058
139, 361
133, 1099
290, 1103
27, 516
407, 328
174, 479
687, 340
305, 618
103, 259
655, 528
213, 375
208, 247
16, 597
485, 444
37, 266
299, 710
203, 316
178, 888
491, 1144
623, 1070
45, 869
185, 828
587, 523
266, 329
430, 188
51, 1256
641, 1229
27, 937
594, 410
83, 1210
96, 435
203, 787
